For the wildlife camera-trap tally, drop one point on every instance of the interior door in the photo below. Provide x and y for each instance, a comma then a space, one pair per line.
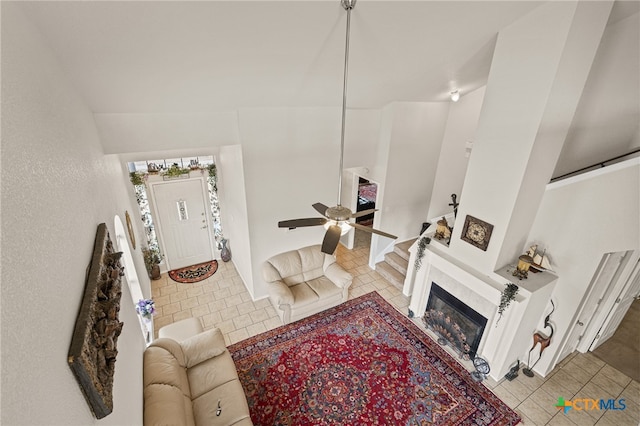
619, 309
601, 283
183, 222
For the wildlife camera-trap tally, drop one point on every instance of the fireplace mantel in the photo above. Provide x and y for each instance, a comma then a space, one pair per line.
505, 340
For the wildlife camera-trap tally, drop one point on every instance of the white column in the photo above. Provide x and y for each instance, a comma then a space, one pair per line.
539, 68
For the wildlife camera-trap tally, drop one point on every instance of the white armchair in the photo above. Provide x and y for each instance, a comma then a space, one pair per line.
304, 282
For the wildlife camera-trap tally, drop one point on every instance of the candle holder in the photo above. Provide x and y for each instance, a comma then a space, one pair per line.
482, 369
524, 263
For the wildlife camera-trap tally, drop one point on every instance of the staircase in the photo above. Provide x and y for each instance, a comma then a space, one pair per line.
394, 266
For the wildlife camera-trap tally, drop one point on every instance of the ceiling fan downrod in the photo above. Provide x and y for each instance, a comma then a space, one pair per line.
336, 219
348, 5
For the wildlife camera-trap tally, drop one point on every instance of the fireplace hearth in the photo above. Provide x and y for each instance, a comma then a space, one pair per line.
464, 320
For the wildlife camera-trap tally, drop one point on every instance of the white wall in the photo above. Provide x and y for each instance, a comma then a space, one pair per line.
533, 87
580, 219
291, 161
416, 134
362, 134
57, 186
452, 164
126, 133
235, 226
611, 100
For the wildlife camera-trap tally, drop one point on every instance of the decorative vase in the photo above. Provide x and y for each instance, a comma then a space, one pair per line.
155, 272
225, 253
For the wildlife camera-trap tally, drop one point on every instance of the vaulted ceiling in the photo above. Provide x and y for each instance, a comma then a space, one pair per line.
208, 56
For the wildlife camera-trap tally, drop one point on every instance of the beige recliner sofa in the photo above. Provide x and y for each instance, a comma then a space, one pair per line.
191, 379
304, 282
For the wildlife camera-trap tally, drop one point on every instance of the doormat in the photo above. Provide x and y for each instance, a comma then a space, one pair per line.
194, 273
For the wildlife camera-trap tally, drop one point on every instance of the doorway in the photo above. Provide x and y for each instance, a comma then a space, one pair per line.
181, 207
367, 194
622, 350
617, 312
610, 293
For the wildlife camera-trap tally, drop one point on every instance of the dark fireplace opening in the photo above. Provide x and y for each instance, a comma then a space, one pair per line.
470, 322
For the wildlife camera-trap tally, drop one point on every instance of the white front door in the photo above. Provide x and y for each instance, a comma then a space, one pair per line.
183, 222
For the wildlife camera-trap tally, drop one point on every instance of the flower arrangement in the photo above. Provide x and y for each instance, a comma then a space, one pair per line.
146, 308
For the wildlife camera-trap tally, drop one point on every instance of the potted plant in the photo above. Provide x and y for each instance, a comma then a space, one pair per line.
175, 171
507, 296
422, 246
152, 259
137, 178
213, 176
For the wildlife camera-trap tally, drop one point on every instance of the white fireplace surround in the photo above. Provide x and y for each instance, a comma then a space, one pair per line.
504, 342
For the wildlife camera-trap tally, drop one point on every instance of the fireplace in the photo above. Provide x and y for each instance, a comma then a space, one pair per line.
471, 323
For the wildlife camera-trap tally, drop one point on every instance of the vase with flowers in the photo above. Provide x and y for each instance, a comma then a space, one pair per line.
146, 309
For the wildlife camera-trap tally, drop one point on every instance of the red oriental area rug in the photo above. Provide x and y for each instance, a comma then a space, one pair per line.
194, 273
360, 363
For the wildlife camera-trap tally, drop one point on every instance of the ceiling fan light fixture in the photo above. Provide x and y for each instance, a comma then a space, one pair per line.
348, 4
343, 225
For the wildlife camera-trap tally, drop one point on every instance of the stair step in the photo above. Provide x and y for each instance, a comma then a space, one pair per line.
391, 274
397, 262
402, 249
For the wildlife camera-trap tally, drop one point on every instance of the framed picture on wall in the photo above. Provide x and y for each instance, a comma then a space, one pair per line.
476, 232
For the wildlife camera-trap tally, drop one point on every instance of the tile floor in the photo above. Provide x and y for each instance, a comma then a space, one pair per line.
222, 301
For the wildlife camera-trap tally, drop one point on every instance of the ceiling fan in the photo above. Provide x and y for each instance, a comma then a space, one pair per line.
336, 219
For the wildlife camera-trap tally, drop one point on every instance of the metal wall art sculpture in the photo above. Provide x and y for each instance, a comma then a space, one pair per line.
92, 354
542, 340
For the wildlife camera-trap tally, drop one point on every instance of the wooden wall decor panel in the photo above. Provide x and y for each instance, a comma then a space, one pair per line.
92, 354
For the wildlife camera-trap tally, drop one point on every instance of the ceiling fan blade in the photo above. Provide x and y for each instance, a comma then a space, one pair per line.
363, 213
331, 238
369, 229
321, 208
295, 223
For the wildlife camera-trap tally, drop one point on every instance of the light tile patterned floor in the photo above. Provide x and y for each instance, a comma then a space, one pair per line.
222, 301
